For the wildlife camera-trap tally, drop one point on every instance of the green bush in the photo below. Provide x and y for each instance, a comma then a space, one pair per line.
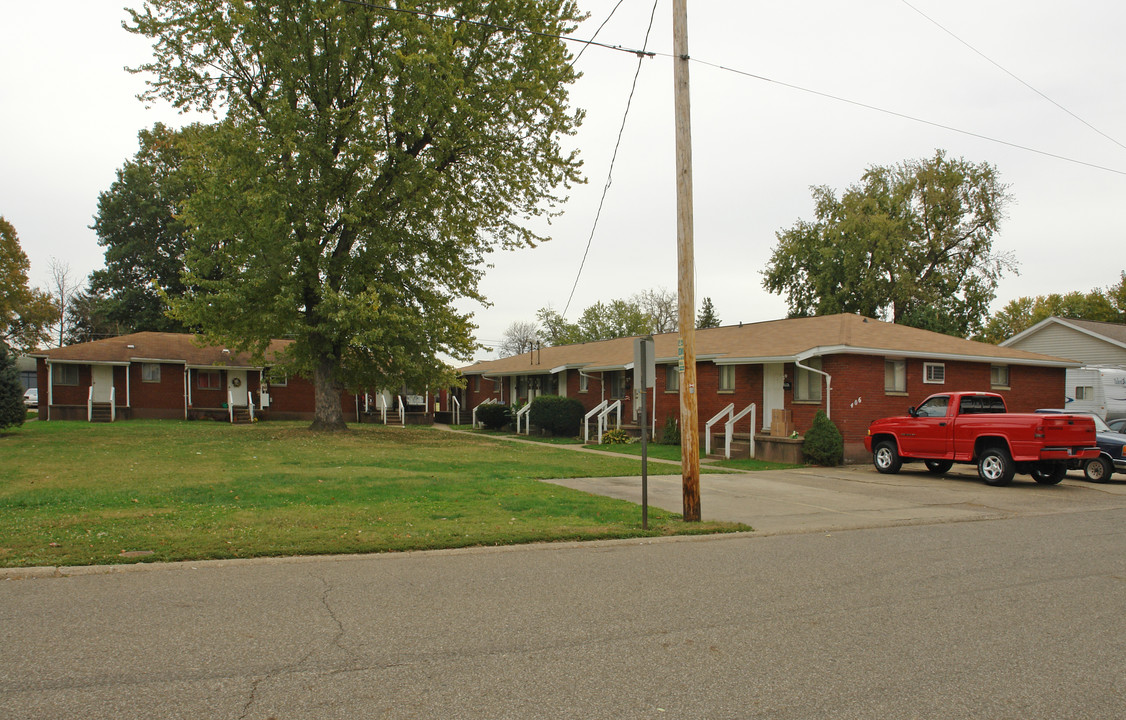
670, 433
559, 416
823, 444
12, 410
494, 417
617, 436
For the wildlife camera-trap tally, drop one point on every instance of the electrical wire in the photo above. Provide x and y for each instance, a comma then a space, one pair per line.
596, 32
494, 26
904, 116
1010, 74
613, 159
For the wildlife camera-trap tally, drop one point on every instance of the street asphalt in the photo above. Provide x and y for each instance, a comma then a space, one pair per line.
857, 595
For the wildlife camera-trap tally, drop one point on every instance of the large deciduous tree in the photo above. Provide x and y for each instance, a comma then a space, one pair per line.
369, 159
138, 223
912, 243
520, 337
26, 313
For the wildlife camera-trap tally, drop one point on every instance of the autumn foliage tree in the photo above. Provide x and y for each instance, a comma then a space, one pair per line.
912, 243
26, 313
370, 157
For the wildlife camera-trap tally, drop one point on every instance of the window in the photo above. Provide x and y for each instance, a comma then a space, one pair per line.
150, 372
28, 379
64, 374
999, 376
1085, 392
584, 382
476, 383
807, 385
672, 378
207, 379
895, 376
934, 373
726, 378
277, 379
498, 385
934, 407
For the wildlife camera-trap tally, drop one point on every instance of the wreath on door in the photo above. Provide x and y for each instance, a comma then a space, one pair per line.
235, 382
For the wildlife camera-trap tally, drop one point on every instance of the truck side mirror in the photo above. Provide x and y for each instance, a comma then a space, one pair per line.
911, 411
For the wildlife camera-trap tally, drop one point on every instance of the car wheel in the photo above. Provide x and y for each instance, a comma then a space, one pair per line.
995, 467
938, 466
1049, 473
886, 457
1098, 470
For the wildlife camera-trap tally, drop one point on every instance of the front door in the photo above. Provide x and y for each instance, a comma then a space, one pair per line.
773, 393
236, 386
101, 380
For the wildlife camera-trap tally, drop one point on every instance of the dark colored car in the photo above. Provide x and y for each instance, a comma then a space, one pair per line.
1117, 425
1112, 450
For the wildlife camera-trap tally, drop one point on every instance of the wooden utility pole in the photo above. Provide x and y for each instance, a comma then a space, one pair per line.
686, 302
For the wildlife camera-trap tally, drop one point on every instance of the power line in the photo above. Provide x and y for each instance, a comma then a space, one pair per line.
904, 116
613, 160
596, 32
495, 26
1010, 74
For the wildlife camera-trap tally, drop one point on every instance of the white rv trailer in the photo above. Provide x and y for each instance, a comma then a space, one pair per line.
1100, 390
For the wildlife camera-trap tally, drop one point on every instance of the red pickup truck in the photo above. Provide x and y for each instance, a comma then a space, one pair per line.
974, 427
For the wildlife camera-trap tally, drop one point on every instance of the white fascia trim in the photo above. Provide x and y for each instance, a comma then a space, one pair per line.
158, 360
570, 366
756, 360
951, 357
224, 367
88, 362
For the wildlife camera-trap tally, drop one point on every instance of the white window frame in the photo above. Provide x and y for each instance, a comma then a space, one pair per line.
994, 371
898, 373
147, 372
59, 372
934, 373
199, 375
672, 378
807, 384
1084, 392
584, 382
726, 378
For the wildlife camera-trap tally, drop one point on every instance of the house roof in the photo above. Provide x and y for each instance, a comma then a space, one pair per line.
157, 347
773, 341
1111, 332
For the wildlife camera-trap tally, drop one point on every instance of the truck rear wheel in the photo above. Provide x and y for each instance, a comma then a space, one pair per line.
1049, 473
886, 458
995, 467
938, 466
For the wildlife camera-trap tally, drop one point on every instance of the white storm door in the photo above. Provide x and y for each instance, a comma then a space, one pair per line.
236, 386
101, 380
773, 394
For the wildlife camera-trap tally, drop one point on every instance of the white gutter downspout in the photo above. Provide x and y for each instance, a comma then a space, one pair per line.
50, 387
828, 386
494, 378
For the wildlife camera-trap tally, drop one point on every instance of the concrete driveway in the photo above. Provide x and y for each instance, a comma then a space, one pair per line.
854, 497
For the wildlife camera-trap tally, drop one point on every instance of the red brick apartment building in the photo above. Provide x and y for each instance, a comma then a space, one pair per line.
854, 368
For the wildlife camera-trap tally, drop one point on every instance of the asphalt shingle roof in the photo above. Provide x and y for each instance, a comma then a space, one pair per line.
170, 347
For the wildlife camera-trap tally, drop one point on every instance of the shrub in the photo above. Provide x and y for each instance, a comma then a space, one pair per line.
12, 410
670, 433
617, 436
823, 444
557, 415
494, 417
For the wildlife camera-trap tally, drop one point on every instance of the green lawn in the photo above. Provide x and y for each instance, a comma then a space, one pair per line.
672, 452
73, 493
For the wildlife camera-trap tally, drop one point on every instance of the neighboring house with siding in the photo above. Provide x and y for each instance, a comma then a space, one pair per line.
1087, 341
168, 375
854, 368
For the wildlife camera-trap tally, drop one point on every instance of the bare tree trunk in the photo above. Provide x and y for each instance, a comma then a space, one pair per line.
327, 413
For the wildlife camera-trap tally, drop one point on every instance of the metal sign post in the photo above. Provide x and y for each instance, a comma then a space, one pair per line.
644, 368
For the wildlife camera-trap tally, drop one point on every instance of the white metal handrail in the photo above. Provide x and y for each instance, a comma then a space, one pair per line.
727, 412
113, 404
457, 410
230, 406
90, 405
250, 404
382, 407
523, 413
729, 429
602, 422
402, 411
586, 421
489, 401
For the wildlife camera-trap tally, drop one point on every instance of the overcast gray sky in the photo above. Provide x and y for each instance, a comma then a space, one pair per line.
70, 119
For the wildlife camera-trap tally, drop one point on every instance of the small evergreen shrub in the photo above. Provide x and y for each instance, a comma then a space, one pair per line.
559, 416
494, 417
670, 433
12, 410
617, 436
823, 443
